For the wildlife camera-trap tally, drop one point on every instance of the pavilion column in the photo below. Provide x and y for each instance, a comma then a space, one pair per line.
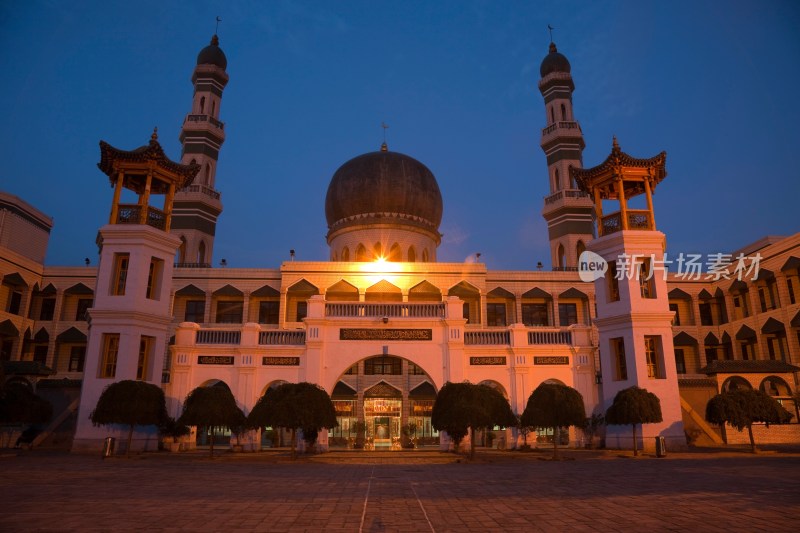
168, 207
623, 205
598, 210
649, 194
144, 201
117, 193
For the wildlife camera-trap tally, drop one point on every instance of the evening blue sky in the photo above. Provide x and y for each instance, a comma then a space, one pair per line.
714, 84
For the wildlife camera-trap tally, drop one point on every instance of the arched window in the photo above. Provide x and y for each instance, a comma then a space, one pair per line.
202, 104
208, 174
580, 248
377, 251
182, 251
412, 254
346, 254
561, 257
425, 255
552, 115
201, 252
395, 254
563, 112
361, 253
213, 108
555, 186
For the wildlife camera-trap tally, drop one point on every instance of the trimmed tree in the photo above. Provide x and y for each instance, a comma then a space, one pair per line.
294, 406
460, 408
553, 405
634, 406
130, 403
211, 407
742, 407
20, 405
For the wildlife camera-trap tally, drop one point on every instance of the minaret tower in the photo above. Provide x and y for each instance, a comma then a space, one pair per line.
634, 322
198, 206
130, 317
568, 210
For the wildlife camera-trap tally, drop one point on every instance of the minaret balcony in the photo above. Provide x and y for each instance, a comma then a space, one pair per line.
563, 128
566, 196
201, 189
206, 118
133, 213
637, 219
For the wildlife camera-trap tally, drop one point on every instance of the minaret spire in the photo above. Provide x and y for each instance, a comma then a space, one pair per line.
568, 210
202, 135
384, 146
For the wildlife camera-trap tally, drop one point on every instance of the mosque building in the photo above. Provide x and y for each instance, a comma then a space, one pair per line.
383, 325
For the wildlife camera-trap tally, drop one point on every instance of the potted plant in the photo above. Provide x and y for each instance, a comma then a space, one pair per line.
172, 429
409, 432
360, 428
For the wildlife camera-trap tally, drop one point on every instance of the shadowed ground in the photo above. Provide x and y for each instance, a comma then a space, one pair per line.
401, 491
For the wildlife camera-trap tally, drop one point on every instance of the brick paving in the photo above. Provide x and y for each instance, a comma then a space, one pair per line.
382, 492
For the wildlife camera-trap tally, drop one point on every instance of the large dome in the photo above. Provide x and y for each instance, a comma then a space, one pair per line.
213, 55
554, 62
387, 185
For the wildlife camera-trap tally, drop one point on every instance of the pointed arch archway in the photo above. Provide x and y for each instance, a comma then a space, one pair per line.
386, 393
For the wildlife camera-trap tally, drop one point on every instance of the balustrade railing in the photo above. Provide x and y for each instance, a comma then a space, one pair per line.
486, 338
561, 125
192, 265
131, 214
389, 310
566, 193
550, 337
208, 191
282, 338
206, 118
611, 223
637, 219
218, 336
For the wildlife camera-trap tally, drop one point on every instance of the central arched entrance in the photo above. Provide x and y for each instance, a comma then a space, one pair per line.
383, 402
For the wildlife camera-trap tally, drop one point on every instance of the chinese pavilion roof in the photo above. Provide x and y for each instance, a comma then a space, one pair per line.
615, 164
110, 159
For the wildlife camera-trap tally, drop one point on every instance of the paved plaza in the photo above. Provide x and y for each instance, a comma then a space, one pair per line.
401, 491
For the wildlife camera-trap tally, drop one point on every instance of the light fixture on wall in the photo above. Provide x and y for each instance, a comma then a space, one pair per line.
291, 254
539, 265
386, 320
223, 263
87, 261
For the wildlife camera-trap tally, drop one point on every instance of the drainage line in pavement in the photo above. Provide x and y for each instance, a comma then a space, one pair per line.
366, 499
421, 507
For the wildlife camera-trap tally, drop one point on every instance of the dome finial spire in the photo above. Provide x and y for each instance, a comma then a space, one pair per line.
154, 136
384, 146
550, 28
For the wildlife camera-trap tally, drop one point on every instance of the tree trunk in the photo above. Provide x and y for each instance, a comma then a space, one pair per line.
294, 444
555, 442
752, 440
635, 448
212, 442
471, 442
130, 438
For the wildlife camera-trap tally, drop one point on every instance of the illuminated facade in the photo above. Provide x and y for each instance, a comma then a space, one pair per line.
383, 325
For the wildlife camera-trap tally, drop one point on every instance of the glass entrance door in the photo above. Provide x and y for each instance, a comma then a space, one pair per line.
383, 422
